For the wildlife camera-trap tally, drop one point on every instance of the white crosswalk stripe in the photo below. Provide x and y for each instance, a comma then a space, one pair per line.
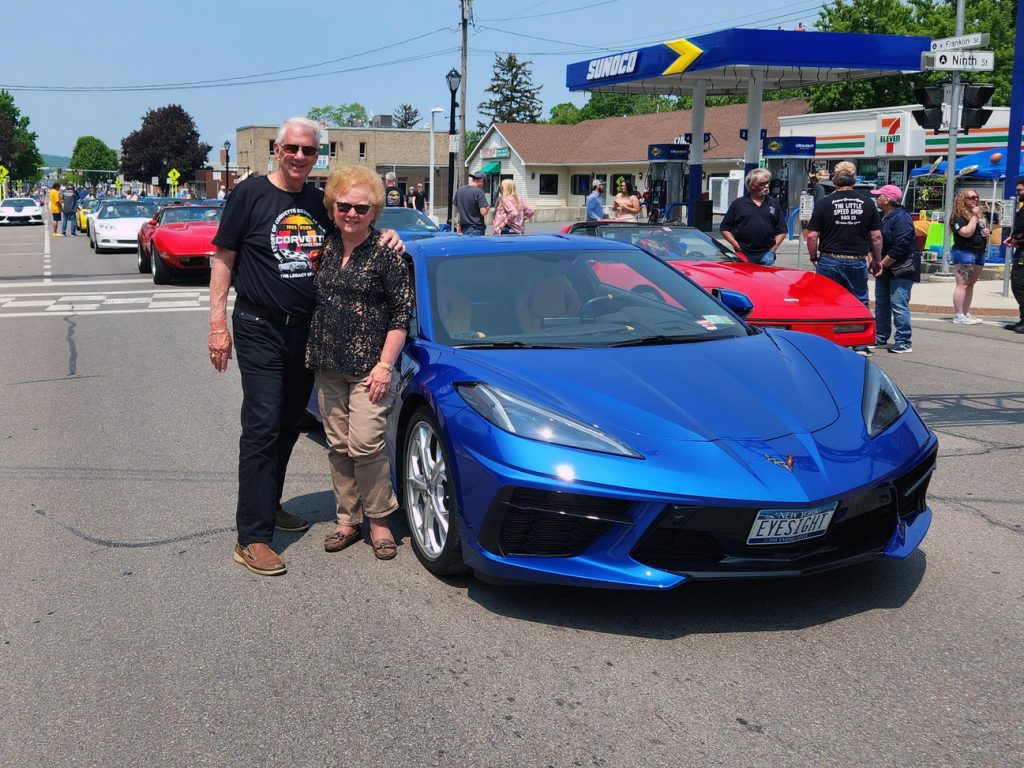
43, 304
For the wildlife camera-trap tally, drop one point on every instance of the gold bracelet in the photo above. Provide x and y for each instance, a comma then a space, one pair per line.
387, 366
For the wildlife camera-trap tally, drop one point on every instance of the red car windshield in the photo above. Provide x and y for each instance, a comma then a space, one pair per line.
667, 243
185, 213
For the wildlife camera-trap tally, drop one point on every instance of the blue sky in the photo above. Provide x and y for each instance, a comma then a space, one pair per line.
379, 54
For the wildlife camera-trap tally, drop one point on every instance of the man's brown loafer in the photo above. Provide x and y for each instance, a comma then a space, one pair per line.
337, 541
384, 549
260, 558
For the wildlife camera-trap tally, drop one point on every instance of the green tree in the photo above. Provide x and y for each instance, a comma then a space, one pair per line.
472, 139
18, 151
514, 95
93, 159
565, 113
353, 114
933, 18
167, 139
601, 105
406, 116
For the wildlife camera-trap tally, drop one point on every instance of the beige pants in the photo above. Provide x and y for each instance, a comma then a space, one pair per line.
358, 457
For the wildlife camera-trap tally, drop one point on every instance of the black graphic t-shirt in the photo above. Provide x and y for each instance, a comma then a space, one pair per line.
844, 221
277, 236
977, 242
418, 200
394, 197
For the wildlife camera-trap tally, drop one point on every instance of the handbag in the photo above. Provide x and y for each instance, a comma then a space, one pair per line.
904, 268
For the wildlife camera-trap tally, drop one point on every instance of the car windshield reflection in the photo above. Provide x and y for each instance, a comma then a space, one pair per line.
668, 243
586, 298
405, 218
126, 211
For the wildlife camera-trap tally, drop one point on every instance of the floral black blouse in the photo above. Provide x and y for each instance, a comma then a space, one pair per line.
356, 305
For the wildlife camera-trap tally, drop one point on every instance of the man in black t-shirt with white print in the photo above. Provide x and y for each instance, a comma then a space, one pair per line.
845, 230
268, 246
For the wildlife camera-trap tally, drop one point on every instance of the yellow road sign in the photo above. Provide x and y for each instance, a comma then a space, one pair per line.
3, 171
174, 174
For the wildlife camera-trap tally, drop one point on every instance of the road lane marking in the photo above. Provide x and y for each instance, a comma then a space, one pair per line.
64, 313
28, 303
47, 264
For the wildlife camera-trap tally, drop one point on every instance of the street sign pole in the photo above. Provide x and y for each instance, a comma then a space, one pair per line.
1013, 137
954, 127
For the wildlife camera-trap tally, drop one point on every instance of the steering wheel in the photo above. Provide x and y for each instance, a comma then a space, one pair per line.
588, 306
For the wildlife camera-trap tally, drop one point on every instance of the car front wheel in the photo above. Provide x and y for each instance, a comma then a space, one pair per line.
143, 261
161, 272
429, 495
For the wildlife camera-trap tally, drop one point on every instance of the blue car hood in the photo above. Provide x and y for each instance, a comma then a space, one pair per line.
754, 388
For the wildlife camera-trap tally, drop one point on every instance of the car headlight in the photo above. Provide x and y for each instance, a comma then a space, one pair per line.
882, 403
518, 416
104, 227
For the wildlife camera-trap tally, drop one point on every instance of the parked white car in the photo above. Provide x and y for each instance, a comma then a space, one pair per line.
117, 224
20, 210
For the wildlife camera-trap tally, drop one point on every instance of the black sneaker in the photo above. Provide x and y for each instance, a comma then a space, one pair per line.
1015, 326
880, 344
284, 521
899, 349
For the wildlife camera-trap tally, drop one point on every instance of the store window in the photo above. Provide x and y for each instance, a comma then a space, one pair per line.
548, 184
362, 150
579, 183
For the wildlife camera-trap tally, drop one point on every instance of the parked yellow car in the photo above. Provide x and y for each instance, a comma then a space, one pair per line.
83, 210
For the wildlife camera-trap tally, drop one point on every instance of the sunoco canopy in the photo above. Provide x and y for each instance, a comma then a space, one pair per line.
724, 60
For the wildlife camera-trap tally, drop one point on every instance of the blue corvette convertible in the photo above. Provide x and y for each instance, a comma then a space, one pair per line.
552, 427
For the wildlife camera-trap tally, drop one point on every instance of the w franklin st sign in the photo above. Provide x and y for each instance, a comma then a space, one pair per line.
959, 61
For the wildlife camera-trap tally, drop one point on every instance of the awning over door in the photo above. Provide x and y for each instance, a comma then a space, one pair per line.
491, 168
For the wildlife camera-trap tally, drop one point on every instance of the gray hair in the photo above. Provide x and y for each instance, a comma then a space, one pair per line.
302, 124
757, 175
390, 177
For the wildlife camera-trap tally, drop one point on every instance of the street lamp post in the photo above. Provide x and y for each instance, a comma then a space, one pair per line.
227, 164
434, 111
453, 78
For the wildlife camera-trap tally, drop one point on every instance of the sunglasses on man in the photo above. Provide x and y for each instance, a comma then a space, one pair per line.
294, 149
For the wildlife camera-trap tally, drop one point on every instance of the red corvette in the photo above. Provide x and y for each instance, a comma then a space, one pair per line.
179, 240
783, 298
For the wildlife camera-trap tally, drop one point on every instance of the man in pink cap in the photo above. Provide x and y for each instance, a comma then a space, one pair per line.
899, 271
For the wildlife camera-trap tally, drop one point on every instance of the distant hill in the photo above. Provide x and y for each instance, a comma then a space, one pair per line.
56, 161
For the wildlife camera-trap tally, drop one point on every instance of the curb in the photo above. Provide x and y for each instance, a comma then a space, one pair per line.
934, 309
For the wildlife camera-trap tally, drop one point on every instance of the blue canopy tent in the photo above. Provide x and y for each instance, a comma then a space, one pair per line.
983, 168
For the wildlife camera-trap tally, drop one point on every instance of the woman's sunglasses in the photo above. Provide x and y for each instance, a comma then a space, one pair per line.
362, 209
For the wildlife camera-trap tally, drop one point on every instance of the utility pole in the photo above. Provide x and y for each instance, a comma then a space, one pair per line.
467, 14
954, 128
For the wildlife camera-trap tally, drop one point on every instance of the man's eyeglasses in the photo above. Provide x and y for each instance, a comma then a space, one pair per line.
362, 209
294, 149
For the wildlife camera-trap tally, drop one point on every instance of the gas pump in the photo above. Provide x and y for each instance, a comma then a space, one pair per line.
788, 159
667, 179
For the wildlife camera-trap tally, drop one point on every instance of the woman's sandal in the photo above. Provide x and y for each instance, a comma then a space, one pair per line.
337, 541
384, 549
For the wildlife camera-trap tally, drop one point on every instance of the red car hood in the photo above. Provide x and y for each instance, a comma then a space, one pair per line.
188, 237
778, 293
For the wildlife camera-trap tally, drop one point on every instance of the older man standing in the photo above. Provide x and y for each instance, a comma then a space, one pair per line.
755, 224
844, 231
394, 197
268, 246
595, 201
471, 206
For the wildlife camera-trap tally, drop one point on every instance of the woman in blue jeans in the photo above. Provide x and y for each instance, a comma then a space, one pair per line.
970, 241
899, 271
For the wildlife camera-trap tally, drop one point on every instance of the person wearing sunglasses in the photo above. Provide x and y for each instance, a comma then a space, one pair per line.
362, 314
970, 242
268, 247
755, 224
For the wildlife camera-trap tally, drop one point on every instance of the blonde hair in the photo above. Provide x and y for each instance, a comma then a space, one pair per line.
508, 189
343, 179
961, 209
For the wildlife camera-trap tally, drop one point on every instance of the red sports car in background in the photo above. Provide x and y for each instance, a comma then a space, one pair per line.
179, 240
783, 298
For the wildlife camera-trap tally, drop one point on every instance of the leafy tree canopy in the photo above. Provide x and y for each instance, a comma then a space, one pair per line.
933, 18
91, 156
18, 151
514, 96
353, 114
167, 139
406, 116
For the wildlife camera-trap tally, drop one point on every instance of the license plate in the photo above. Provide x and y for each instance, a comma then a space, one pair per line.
786, 526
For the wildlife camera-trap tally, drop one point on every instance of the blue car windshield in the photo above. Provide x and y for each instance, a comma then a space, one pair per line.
579, 298
404, 218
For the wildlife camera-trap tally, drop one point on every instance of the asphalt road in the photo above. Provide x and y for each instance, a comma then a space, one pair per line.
129, 637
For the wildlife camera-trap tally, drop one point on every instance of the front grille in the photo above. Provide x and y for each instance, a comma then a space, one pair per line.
712, 541
526, 521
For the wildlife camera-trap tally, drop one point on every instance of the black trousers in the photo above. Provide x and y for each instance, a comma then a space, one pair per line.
275, 388
1017, 286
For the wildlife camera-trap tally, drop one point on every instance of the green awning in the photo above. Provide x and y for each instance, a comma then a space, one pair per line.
492, 167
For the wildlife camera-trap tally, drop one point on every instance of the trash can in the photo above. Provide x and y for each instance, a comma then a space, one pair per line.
703, 215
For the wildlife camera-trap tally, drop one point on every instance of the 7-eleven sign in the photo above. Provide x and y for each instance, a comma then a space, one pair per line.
889, 134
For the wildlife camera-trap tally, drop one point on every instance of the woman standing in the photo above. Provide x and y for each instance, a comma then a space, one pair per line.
970, 241
511, 213
363, 308
626, 205
899, 271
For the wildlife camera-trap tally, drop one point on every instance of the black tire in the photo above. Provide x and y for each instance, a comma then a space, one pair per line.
425, 442
143, 261
161, 272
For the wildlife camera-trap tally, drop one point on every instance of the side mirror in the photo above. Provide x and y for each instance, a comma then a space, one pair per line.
734, 300
152, 222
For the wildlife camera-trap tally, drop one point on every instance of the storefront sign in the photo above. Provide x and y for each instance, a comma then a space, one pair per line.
668, 152
495, 153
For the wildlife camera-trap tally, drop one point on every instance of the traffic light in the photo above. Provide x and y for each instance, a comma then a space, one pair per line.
975, 97
929, 97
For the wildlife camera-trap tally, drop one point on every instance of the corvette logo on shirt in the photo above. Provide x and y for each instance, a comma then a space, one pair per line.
296, 241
